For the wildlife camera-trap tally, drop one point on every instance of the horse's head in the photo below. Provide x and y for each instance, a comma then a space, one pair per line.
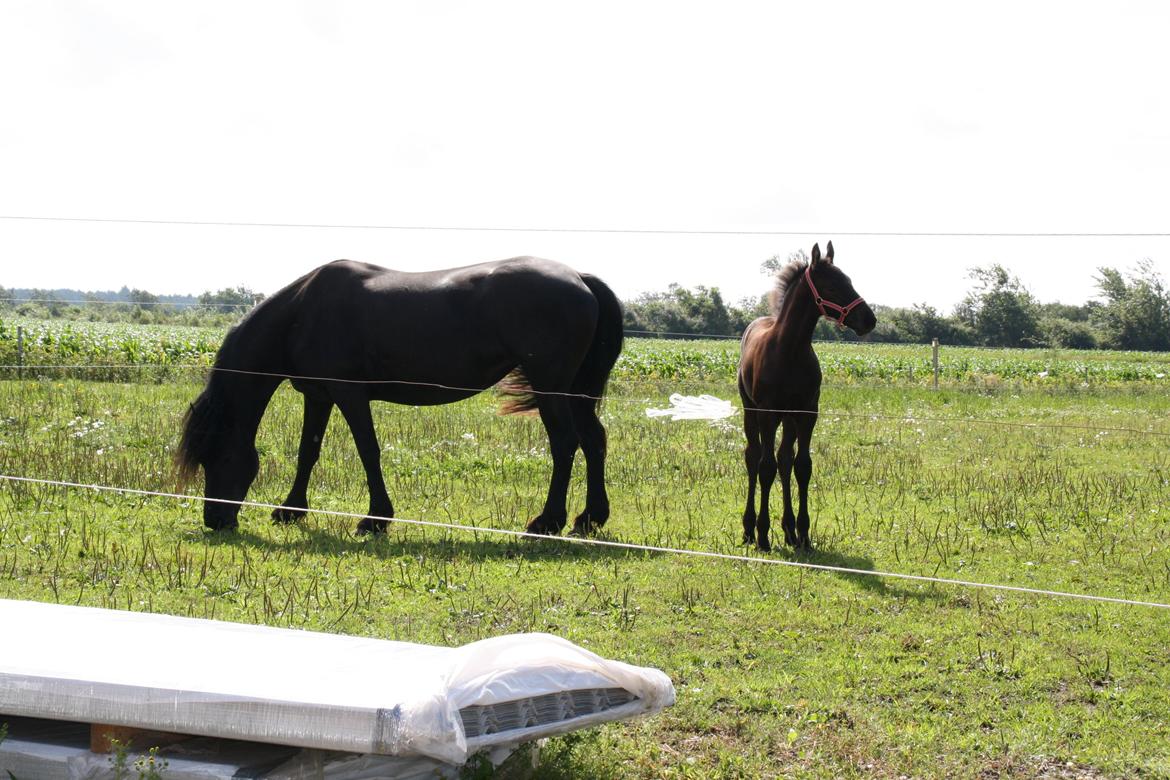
229, 472
834, 294
213, 442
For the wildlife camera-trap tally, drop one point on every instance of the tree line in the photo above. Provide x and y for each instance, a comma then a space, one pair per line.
219, 307
1131, 311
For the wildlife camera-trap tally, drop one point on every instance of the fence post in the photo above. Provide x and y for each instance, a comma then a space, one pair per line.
19, 352
934, 359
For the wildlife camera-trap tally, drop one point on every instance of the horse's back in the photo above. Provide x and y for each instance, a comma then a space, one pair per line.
462, 326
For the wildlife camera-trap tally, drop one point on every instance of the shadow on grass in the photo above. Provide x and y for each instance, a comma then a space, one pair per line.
322, 536
402, 539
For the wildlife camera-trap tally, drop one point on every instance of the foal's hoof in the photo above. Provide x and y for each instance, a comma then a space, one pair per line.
369, 525
286, 515
764, 545
226, 526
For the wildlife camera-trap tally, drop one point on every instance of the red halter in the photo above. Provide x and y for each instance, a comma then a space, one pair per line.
822, 304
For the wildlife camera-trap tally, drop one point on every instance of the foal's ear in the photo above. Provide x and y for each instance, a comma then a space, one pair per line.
816, 254
829, 254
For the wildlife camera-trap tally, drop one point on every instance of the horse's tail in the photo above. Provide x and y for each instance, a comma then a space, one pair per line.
593, 375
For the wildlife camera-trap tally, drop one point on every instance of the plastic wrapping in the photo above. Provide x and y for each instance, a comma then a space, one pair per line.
694, 407
303, 688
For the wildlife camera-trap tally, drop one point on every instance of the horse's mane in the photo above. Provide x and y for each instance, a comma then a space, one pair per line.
784, 279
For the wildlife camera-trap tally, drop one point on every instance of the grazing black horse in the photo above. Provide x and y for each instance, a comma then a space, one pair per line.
349, 333
780, 382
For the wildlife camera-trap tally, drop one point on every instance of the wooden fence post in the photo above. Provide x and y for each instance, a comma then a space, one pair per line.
934, 359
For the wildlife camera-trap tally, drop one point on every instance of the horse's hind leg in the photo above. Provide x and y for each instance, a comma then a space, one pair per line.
356, 409
562, 440
788, 521
803, 475
751, 459
591, 434
317, 413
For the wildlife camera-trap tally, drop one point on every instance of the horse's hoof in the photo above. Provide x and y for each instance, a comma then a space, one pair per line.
222, 527
542, 527
287, 515
764, 545
371, 526
585, 525
748, 538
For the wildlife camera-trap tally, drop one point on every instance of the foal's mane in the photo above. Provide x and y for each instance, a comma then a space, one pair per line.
785, 277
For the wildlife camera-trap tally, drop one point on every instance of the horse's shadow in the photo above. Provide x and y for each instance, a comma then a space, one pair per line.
310, 536
402, 539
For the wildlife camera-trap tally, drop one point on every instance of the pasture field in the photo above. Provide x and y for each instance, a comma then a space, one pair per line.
779, 671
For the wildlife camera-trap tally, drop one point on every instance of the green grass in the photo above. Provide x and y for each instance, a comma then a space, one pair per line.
779, 672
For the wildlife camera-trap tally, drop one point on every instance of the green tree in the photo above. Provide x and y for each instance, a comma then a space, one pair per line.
1136, 310
239, 299
774, 263
919, 324
700, 311
999, 311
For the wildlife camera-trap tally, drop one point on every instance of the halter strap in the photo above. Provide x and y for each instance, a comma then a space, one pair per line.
823, 304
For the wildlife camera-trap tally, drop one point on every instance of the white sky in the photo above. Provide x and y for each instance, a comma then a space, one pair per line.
1001, 117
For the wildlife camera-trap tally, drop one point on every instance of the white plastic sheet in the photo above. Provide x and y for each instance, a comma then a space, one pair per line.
291, 687
694, 407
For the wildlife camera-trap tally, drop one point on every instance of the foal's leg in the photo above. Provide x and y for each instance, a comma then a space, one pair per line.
312, 432
751, 459
356, 409
803, 475
768, 424
562, 441
788, 521
591, 434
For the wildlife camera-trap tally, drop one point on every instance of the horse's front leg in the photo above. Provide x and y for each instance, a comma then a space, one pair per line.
355, 407
803, 476
562, 442
786, 462
317, 413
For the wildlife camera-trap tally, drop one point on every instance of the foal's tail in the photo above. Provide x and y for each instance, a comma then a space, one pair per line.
607, 342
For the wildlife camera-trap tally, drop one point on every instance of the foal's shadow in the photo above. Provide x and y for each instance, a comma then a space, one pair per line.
861, 571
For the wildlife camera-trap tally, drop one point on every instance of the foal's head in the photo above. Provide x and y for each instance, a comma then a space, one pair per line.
834, 294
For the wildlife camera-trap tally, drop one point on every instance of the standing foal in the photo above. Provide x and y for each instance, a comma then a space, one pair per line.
780, 382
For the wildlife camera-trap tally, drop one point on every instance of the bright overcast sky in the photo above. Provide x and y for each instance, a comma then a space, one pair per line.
822, 117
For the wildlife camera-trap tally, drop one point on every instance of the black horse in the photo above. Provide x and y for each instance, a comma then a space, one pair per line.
349, 333
780, 382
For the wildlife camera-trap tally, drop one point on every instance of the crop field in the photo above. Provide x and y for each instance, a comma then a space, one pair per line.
121, 352
1044, 470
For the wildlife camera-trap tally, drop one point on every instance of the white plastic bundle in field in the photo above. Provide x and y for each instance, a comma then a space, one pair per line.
306, 689
694, 407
